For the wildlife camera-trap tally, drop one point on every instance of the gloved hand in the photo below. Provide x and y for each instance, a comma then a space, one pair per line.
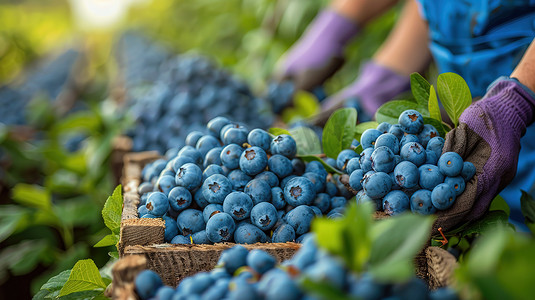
488, 135
319, 52
374, 86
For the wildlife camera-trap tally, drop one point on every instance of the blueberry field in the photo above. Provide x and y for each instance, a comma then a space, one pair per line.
150, 150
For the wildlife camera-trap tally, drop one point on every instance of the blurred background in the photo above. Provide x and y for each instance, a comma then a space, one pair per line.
83, 81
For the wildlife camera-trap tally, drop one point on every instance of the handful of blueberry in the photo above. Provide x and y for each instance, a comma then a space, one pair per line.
243, 274
236, 185
402, 168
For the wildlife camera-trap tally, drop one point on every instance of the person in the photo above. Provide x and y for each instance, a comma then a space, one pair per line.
487, 42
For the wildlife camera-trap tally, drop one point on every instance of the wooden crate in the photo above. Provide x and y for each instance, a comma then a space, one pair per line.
435, 265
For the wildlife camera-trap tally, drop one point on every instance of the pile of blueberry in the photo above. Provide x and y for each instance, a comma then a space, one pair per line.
236, 185
242, 274
183, 92
402, 168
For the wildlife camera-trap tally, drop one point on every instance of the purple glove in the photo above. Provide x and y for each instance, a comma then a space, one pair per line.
375, 86
319, 52
488, 135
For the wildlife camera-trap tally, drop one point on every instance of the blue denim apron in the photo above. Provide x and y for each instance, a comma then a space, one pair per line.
482, 40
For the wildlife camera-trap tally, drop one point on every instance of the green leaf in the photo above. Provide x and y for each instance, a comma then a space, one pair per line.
111, 213
390, 111
84, 277
23, 257
309, 158
32, 196
498, 203
308, 142
11, 218
109, 240
489, 221
339, 131
278, 131
420, 89
305, 105
434, 109
50, 290
361, 127
323, 290
395, 243
527, 206
454, 94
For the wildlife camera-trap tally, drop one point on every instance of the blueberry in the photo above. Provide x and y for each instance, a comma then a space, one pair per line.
338, 202
260, 138
331, 189
164, 293
298, 167
384, 127
260, 261
421, 203
230, 156
468, 171
220, 228
238, 179
233, 258
366, 159
397, 131
180, 161
249, 234
238, 205
377, 185
258, 190
180, 239
317, 180
355, 179
179, 198
323, 202
200, 237
443, 293
189, 176
189, 151
316, 167
431, 157
235, 135
213, 156
450, 164
457, 183
331, 162
190, 221
443, 196
264, 215
210, 210
211, 170
414, 153
283, 287
253, 161
406, 175
142, 210
408, 139
165, 184
285, 145
284, 233
285, 180
383, 159
206, 143
146, 283
411, 121
327, 271
215, 188
317, 211
368, 138
299, 191
415, 289
217, 291
171, 229
388, 140
367, 288
354, 144
269, 177
436, 144
199, 198
352, 165
395, 203
193, 137
277, 197
216, 124
428, 132
144, 188
430, 177
343, 157
157, 204
300, 218
280, 165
